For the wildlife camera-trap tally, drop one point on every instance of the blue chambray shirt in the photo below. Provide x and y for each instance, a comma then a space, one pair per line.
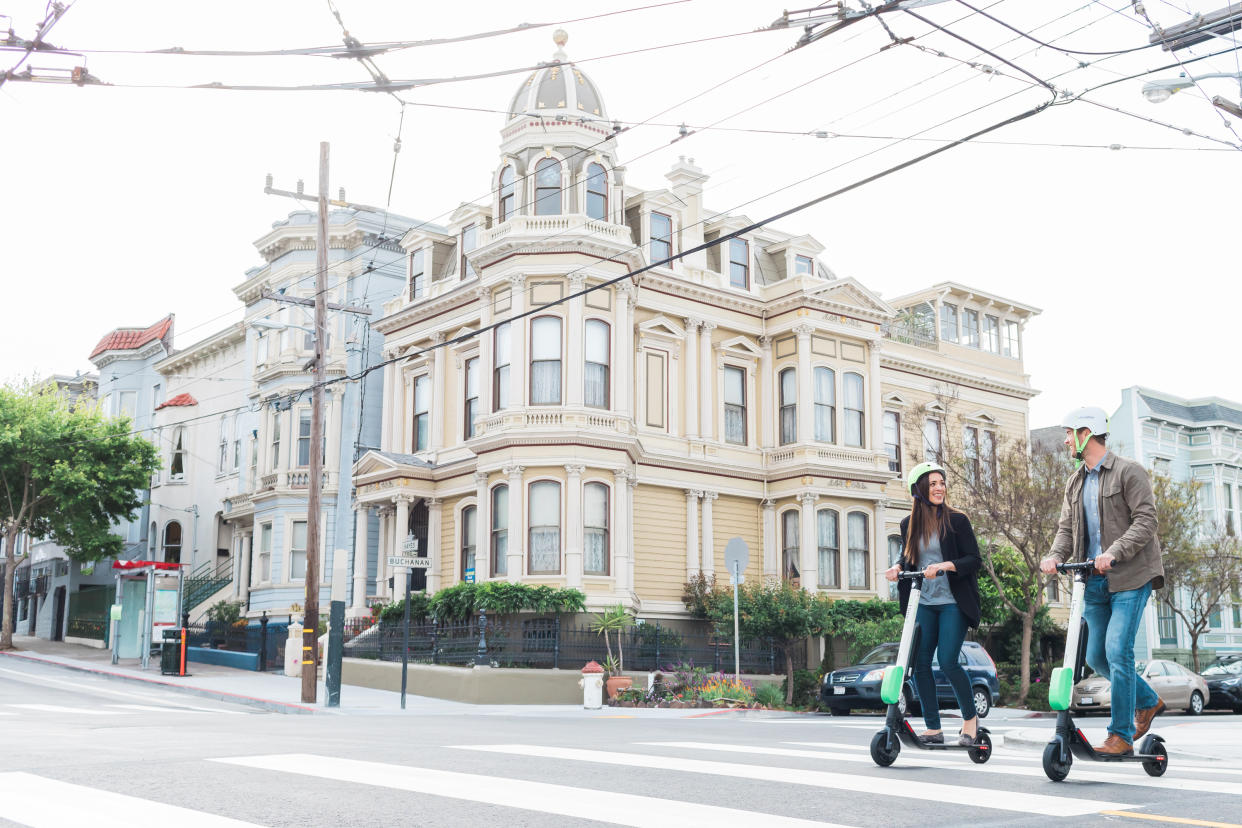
1091, 505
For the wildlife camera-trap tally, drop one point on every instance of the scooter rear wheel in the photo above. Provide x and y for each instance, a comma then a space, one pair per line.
881, 753
1157, 766
1053, 766
983, 751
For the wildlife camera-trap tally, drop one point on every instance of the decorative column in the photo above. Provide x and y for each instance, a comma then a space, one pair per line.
517, 351
771, 558
483, 522
708, 557
806, 417
623, 393
243, 572
404, 426
875, 404
707, 420
879, 561
808, 552
573, 525
486, 354
632, 485
517, 531
439, 407
400, 530
691, 379
386, 409
620, 529
435, 546
575, 342
235, 552
382, 550
358, 605
767, 395
692, 532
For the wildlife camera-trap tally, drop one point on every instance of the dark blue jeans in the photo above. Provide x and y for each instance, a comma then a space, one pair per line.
1112, 624
942, 629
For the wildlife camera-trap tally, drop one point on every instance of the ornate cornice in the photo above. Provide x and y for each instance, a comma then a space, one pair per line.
930, 371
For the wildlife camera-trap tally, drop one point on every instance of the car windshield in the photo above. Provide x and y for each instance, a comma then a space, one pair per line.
1223, 668
884, 654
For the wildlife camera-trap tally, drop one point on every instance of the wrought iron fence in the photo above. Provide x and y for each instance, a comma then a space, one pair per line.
268, 641
549, 642
95, 629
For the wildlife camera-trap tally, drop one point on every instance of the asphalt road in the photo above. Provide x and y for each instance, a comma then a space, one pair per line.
81, 750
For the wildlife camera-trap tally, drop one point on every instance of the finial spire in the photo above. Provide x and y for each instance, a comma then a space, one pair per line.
560, 37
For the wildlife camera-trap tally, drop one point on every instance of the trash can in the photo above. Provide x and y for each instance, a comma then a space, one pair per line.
172, 654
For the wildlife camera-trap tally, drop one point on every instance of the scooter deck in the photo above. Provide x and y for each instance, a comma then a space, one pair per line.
905, 732
1082, 749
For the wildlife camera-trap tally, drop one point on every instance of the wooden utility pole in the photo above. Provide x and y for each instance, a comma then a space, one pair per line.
310, 632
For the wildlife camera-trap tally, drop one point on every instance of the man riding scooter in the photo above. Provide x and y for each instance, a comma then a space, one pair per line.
1108, 517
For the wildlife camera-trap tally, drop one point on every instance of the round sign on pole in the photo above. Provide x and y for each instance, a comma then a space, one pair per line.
737, 556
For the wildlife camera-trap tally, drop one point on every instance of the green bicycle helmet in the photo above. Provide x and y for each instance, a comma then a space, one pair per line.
920, 470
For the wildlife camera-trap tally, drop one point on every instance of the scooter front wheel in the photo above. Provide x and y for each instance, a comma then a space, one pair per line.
881, 752
1158, 765
982, 751
1056, 769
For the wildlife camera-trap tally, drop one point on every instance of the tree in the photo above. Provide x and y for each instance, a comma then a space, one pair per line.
66, 473
1199, 569
781, 612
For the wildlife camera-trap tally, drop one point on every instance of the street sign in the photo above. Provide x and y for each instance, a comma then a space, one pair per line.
410, 545
737, 552
469, 578
409, 562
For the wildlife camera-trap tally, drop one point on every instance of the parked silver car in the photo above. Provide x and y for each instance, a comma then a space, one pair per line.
1178, 687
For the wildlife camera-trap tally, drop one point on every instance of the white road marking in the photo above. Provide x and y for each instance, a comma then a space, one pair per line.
95, 689
583, 803
1130, 776
153, 708
73, 711
955, 794
46, 803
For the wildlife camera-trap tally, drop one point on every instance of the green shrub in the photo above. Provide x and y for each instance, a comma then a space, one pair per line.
462, 601
806, 688
394, 613
725, 687
1037, 697
224, 612
769, 695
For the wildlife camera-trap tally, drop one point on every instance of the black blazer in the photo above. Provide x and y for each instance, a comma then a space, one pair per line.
959, 546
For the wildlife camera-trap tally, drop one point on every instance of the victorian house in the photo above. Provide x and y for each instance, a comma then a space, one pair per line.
548, 419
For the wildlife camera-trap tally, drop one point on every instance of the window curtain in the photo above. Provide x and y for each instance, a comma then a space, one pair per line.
545, 527
825, 404
859, 548
500, 530
854, 410
595, 529
829, 548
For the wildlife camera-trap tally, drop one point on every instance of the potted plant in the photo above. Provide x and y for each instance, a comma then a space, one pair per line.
618, 620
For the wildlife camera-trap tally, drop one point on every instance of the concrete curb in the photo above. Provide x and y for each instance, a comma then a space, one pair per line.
1039, 738
218, 695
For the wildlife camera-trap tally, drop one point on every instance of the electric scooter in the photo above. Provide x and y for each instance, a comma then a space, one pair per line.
886, 744
1069, 740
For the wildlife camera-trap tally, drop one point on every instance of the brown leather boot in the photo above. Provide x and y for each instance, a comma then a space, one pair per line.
1143, 719
1114, 745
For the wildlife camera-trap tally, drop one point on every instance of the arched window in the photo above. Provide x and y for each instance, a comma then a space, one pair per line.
545, 528
825, 405
596, 192
595, 529
735, 404
860, 551
471, 408
172, 542
500, 530
545, 360
828, 526
789, 544
222, 464
894, 556
548, 188
506, 193
854, 420
469, 517
789, 406
595, 393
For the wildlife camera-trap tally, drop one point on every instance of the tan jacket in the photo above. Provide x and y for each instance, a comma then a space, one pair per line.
1127, 524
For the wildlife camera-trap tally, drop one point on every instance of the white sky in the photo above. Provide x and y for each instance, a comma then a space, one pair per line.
120, 205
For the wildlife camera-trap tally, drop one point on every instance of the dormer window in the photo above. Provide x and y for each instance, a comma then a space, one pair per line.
548, 188
506, 193
661, 237
804, 265
597, 192
739, 264
417, 274
469, 241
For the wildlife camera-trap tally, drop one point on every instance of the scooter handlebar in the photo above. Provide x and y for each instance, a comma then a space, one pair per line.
910, 576
1075, 567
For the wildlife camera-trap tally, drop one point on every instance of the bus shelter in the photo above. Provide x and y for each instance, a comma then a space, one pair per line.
144, 601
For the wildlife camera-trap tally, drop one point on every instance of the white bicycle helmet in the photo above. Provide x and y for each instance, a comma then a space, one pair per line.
1095, 420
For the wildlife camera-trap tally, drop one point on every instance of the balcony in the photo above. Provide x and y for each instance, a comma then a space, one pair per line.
573, 231
554, 419
840, 458
911, 334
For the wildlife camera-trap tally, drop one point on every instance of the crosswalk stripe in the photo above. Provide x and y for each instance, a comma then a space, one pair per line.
1133, 777
583, 803
73, 711
46, 803
956, 794
152, 708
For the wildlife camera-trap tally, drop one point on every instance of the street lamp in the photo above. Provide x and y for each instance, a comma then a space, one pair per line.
1159, 91
271, 325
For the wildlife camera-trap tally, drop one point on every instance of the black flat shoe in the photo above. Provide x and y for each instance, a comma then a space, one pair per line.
932, 738
966, 740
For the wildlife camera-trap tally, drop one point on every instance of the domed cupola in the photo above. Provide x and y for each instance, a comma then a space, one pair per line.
557, 105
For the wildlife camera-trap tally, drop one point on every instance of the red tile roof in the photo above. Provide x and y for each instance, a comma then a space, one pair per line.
124, 339
180, 399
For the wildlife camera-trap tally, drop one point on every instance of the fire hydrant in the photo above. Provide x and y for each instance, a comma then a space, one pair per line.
592, 684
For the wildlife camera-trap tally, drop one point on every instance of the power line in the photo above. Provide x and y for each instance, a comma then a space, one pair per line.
54, 13
1049, 46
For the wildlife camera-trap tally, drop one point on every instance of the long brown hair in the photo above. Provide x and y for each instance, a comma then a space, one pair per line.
925, 518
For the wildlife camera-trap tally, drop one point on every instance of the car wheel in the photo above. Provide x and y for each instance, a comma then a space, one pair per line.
983, 702
1196, 704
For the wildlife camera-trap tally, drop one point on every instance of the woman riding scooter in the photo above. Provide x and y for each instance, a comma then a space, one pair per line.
940, 541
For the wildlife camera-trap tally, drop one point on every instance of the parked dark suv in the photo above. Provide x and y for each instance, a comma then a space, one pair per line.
1224, 680
859, 686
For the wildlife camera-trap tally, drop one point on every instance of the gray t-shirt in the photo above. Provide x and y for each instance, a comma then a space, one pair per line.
935, 591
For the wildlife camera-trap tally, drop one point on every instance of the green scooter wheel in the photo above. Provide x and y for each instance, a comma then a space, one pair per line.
881, 753
1053, 766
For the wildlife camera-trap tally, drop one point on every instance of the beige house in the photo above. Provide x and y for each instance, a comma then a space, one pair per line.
548, 420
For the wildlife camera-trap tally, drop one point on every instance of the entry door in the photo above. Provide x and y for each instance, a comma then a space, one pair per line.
418, 528
58, 615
